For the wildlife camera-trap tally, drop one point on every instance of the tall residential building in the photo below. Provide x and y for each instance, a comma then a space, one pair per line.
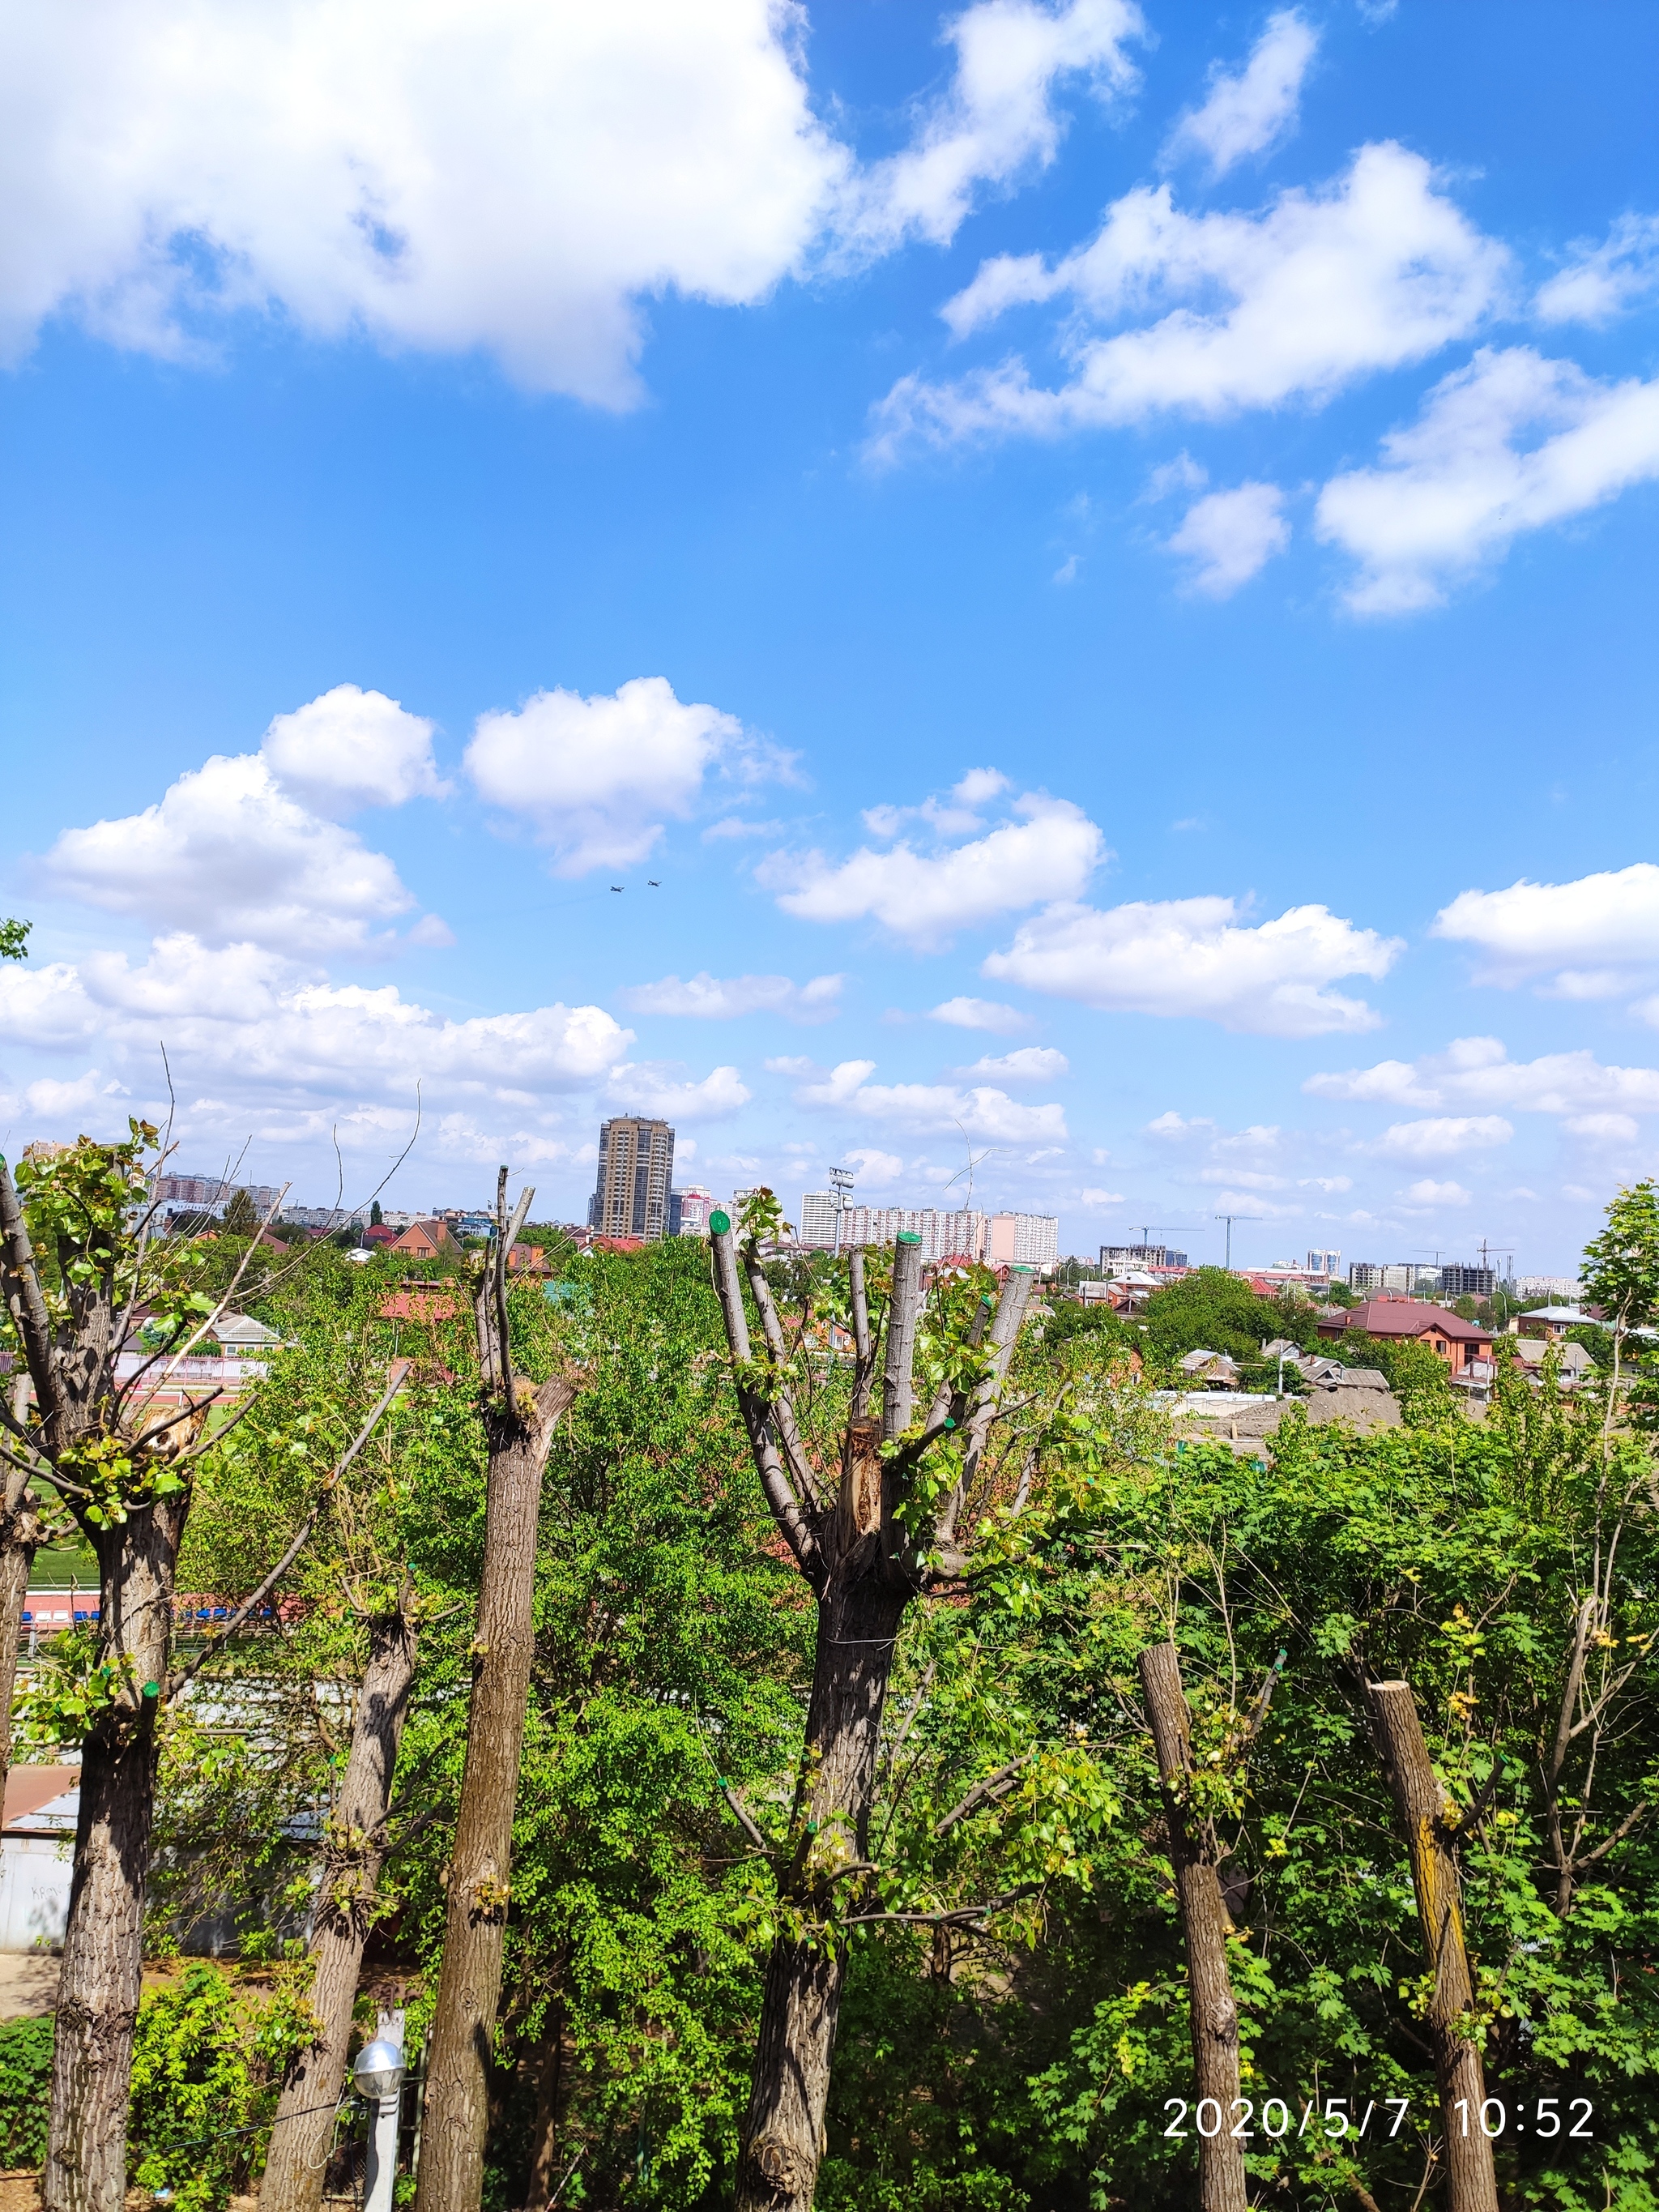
1461, 1282
1024, 1240
688, 1209
212, 1194
1324, 1263
636, 1168
1118, 1259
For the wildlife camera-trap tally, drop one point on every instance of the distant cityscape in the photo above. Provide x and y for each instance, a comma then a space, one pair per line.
635, 1200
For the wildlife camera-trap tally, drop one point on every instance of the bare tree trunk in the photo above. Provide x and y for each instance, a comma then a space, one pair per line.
457, 2112
103, 1943
1420, 1802
548, 2067
1206, 1925
782, 2136
303, 2128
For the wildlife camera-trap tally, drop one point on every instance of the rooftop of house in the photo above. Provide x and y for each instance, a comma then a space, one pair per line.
1408, 1317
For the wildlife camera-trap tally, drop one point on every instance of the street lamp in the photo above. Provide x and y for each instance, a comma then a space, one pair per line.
377, 2074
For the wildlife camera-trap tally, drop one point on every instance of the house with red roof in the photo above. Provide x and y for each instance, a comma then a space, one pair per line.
1459, 1343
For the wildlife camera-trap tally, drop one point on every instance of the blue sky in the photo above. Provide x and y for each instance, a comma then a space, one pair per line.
1131, 526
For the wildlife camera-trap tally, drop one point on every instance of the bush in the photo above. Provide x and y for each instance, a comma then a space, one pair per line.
25, 2090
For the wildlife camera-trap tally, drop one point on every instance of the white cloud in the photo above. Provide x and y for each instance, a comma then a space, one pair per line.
875, 1171
227, 855
1512, 442
1442, 1137
245, 1019
1600, 282
656, 1087
711, 998
1246, 1179
1603, 1129
1247, 113
470, 175
982, 1014
351, 749
1230, 536
1590, 933
981, 1111
1478, 1072
926, 897
1196, 957
996, 118
1376, 271
1331, 1185
1429, 1192
1092, 1198
596, 776
1176, 1125
1030, 1063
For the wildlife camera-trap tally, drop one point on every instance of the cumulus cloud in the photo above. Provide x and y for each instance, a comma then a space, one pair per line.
1428, 1193
511, 176
1377, 270
244, 1017
1247, 113
877, 1170
1197, 956
658, 1087
1031, 1063
227, 855
926, 897
988, 1014
1230, 536
996, 118
1589, 934
351, 749
1511, 443
1442, 1137
1598, 283
981, 1111
1603, 1129
1479, 1071
595, 777
712, 998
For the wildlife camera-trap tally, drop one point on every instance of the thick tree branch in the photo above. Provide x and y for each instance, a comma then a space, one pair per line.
786, 1509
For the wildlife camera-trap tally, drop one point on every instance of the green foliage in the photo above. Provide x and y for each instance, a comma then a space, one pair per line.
1417, 1375
1213, 1310
1621, 1273
15, 939
207, 2062
25, 2090
241, 1217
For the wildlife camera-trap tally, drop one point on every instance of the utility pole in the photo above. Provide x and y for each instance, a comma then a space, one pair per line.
1230, 1218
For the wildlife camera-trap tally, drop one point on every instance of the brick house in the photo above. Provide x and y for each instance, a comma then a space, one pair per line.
424, 1240
1459, 1343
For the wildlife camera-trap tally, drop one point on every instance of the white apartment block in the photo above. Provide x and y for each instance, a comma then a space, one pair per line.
1020, 1240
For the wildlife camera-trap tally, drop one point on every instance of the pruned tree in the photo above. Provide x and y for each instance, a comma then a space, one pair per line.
355, 1841
102, 1434
874, 1518
1427, 1821
1206, 1923
519, 1417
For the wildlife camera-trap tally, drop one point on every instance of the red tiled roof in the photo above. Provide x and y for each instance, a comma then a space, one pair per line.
1413, 1317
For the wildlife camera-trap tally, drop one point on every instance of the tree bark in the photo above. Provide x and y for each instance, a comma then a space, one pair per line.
1206, 1925
860, 1606
782, 2135
520, 1432
356, 1848
1420, 1804
103, 1942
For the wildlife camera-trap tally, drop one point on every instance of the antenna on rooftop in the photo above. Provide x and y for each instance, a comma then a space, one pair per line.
840, 1182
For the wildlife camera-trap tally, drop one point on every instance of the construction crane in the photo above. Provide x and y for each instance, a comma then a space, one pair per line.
1230, 1218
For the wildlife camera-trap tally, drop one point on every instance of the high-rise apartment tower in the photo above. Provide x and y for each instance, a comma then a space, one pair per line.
636, 1169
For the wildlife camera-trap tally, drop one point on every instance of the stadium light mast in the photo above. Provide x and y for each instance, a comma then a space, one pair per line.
840, 1182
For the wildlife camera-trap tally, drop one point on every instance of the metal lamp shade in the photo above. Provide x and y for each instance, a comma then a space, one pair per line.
378, 2069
